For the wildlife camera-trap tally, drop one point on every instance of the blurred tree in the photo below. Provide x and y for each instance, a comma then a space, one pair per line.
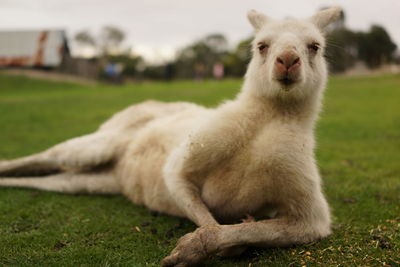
345, 47
154, 72
132, 64
107, 47
216, 42
85, 38
236, 61
110, 40
85, 41
342, 49
376, 47
200, 56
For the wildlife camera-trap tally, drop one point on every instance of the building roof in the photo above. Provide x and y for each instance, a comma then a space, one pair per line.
32, 48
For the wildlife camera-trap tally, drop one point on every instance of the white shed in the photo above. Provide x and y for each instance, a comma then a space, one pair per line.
32, 48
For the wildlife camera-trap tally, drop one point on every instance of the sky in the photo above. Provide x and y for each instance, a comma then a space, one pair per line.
157, 28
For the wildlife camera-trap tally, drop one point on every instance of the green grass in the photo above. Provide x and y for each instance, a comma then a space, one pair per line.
358, 155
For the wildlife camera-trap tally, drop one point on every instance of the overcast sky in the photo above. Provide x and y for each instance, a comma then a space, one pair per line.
156, 28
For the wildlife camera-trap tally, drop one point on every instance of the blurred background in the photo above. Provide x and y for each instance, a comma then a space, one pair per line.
122, 41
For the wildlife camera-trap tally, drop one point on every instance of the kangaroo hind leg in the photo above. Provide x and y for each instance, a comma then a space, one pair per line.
77, 154
70, 183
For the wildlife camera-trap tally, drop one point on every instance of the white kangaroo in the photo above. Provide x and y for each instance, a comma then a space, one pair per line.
252, 156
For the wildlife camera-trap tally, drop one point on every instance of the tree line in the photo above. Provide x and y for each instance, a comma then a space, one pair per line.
345, 47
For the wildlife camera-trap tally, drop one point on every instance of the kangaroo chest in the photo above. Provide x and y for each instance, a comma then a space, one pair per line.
246, 182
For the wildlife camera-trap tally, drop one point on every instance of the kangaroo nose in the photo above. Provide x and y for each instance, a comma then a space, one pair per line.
288, 60
287, 68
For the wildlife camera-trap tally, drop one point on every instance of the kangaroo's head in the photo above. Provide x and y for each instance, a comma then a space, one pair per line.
288, 55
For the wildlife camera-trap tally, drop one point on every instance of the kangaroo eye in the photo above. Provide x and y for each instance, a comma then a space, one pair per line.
313, 47
262, 47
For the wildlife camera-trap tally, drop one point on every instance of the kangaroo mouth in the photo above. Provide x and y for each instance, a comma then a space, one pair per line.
286, 81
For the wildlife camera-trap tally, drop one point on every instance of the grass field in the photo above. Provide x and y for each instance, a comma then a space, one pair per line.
358, 155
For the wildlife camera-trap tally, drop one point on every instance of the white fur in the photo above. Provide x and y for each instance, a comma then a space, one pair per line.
252, 156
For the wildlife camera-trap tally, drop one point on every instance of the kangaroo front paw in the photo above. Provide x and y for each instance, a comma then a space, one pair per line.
193, 248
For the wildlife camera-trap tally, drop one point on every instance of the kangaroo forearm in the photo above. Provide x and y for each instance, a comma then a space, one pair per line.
268, 233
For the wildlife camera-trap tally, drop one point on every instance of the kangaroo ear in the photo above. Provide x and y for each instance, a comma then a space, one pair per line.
257, 19
325, 17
